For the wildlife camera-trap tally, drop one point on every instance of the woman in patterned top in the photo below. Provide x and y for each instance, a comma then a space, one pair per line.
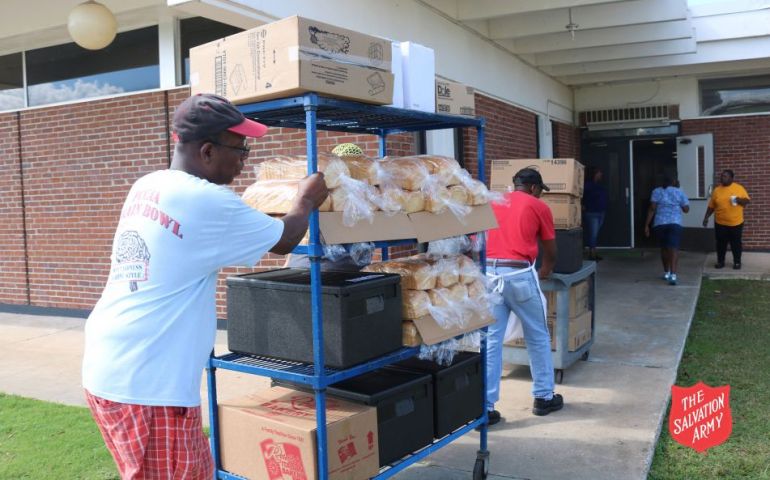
666, 206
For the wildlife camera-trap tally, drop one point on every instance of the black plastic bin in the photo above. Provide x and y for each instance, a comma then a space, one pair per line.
269, 314
404, 402
569, 251
458, 390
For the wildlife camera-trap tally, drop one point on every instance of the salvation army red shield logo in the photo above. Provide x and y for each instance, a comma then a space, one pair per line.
700, 416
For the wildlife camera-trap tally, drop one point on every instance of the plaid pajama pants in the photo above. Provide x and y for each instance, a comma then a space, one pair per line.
154, 443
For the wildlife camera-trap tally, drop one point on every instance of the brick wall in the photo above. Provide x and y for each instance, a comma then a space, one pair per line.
510, 132
566, 141
13, 274
743, 145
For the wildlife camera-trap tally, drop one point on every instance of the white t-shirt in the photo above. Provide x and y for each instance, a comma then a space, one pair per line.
149, 336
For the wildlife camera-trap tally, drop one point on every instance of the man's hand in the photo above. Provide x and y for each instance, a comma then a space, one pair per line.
543, 274
647, 231
311, 193
312, 189
742, 201
705, 222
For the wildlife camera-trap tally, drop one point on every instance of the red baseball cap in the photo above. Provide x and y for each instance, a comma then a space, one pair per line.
205, 115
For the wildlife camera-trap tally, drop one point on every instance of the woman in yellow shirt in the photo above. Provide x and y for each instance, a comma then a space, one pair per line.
726, 203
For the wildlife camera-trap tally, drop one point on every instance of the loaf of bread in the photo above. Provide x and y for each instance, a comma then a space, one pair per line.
407, 173
350, 195
415, 274
410, 336
402, 201
478, 193
476, 290
446, 169
447, 271
295, 168
459, 291
275, 197
460, 195
361, 168
448, 297
469, 270
437, 200
414, 304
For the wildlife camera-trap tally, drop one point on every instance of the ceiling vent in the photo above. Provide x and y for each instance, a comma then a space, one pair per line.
630, 117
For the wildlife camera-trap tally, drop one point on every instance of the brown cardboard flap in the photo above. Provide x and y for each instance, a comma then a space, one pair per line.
431, 332
429, 226
384, 227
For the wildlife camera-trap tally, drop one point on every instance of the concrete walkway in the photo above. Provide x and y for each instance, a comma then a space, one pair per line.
615, 401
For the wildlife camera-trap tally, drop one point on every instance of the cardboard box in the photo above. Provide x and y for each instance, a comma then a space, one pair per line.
579, 332
293, 56
431, 332
578, 299
423, 226
566, 210
272, 434
454, 98
419, 69
398, 76
562, 175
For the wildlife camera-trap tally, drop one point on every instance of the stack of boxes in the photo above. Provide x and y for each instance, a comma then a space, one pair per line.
564, 176
579, 313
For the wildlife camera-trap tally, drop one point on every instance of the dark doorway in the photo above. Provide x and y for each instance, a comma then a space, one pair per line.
612, 157
652, 158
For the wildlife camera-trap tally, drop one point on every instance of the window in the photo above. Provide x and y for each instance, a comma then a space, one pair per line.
69, 72
11, 82
197, 31
727, 96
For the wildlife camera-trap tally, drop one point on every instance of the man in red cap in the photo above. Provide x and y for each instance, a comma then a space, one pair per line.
150, 334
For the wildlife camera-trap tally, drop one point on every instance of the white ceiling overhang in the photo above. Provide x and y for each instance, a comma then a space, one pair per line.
582, 42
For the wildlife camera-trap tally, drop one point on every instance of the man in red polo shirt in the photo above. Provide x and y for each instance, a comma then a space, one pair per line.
511, 252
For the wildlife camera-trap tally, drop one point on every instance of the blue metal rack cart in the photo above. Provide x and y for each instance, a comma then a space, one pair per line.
312, 112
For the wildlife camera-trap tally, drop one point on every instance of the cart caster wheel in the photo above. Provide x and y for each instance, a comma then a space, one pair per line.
559, 375
584, 357
480, 470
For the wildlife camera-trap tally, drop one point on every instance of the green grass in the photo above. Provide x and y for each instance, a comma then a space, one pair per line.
41, 440
729, 343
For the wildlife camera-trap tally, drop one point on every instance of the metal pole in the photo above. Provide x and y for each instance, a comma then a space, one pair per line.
480, 152
311, 107
211, 378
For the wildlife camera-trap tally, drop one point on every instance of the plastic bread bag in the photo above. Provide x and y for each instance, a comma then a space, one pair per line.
295, 168
469, 270
334, 253
352, 199
471, 341
449, 246
361, 253
448, 307
407, 173
392, 199
442, 353
415, 274
479, 194
445, 169
447, 270
439, 198
275, 196
414, 304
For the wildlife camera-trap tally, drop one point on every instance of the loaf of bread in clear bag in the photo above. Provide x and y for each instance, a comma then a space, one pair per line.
402, 201
448, 297
437, 199
414, 304
476, 289
407, 173
276, 197
410, 336
446, 169
478, 193
361, 168
295, 168
341, 196
415, 274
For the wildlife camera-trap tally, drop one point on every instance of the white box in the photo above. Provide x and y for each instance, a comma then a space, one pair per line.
419, 64
398, 76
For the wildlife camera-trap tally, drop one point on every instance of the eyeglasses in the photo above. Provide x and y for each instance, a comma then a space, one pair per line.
244, 149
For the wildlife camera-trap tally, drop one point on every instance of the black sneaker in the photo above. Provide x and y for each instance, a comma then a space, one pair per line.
737, 266
493, 417
544, 407
719, 265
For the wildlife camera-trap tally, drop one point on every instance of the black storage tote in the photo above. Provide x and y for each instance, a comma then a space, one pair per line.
458, 390
404, 402
269, 314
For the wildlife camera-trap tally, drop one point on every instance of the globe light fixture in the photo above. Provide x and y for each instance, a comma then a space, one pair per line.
92, 25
